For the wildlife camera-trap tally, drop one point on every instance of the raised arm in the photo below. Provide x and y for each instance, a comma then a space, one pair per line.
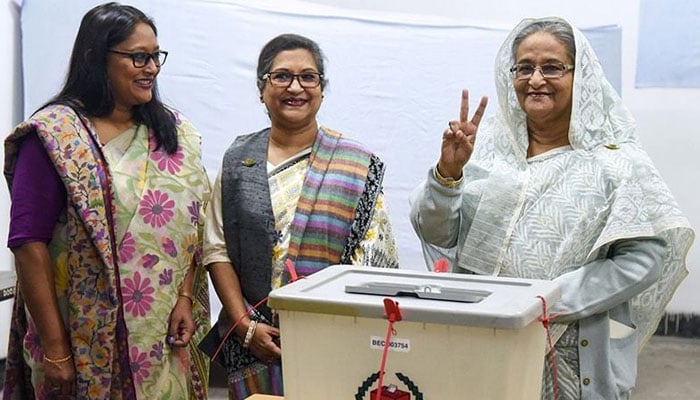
436, 203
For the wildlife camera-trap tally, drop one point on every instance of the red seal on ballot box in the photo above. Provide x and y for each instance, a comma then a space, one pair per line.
391, 392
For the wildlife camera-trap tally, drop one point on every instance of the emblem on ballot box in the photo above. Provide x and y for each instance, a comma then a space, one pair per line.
390, 391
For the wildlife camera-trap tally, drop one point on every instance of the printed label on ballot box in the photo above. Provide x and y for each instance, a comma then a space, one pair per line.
395, 344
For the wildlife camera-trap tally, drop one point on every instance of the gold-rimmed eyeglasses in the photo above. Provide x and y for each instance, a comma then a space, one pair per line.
548, 71
140, 58
284, 79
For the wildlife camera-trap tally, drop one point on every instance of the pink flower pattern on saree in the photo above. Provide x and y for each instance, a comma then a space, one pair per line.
194, 212
168, 162
157, 351
169, 247
139, 365
127, 248
165, 277
138, 295
149, 260
156, 208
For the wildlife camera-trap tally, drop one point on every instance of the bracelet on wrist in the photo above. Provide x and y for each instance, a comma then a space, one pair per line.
58, 361
249, 335
448, 182
187, 295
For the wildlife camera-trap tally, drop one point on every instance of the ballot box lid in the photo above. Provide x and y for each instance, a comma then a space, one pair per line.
442, 298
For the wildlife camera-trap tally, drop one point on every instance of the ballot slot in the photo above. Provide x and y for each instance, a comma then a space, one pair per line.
431, 292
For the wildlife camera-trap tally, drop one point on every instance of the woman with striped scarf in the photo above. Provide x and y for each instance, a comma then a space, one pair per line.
295, 192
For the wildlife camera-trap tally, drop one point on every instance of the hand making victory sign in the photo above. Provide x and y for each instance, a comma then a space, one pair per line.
458, 139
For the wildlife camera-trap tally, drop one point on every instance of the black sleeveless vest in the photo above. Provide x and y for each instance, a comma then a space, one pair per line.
247, 215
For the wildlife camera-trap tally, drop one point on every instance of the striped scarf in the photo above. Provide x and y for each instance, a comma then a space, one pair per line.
328, 201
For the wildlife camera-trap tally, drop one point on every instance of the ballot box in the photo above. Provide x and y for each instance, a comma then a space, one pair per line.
8, 281
460, 336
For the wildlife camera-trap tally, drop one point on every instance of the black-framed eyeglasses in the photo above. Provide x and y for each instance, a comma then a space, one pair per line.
548, 71
140, 58
284, 79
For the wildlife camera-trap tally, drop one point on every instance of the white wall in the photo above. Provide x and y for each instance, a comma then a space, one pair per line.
664, 115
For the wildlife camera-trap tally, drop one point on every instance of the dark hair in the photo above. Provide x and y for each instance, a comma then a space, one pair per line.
559, 29
87, 88
288, 41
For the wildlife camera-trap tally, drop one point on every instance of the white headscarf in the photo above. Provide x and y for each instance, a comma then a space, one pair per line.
542, 217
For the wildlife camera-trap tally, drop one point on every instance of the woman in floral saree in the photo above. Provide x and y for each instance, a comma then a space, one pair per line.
106, 186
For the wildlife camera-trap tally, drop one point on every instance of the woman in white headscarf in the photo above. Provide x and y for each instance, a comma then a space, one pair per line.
558, 187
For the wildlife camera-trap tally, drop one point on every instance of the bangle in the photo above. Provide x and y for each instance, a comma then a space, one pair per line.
447, 182
57, 361
250, 333
187, 295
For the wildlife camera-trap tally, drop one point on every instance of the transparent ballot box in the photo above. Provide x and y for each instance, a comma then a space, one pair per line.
460, 336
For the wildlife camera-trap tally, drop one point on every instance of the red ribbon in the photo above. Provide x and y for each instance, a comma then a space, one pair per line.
546, 319
292, 271
441, 265
393, 314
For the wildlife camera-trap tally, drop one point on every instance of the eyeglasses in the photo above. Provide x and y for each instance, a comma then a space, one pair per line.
548, 71
284, 79
140, 59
